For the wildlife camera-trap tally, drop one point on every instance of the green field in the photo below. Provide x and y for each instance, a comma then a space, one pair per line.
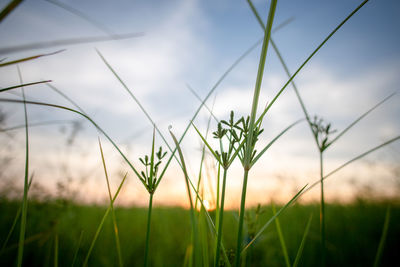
353, 235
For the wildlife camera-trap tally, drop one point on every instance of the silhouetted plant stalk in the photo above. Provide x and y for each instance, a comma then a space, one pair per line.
253, 129
149, 179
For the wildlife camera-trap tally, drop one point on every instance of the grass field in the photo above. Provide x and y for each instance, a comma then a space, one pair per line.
352, 239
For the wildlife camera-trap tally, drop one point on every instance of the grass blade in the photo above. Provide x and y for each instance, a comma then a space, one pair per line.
207, 145
308, 59
117, 243
24, 209
359, 118
303, 241
9, 8
77, 249
102, 222
15, 221
28, 58
351, 161
273, 218
192, 215
383, 239
22, 85
273, 141
249, 138
67, 42
281, 239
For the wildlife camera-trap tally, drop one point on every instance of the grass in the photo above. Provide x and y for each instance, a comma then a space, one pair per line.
201, 238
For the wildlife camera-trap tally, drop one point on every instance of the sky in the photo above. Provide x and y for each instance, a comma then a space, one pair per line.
183, 44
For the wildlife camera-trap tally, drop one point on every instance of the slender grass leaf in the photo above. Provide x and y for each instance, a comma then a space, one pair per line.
273, 218
281, 239
303, 241
22, 85
29, 58
383, 239
9, 8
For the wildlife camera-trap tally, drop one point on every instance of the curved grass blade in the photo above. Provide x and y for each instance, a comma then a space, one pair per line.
102, 222
86, 117
77, 249
67, 42
273, 218
308, 59
24, 209
29, 58
35, 124
9, 8
117, 243
58, 91
273, 141
359, 118
82, 15
199, 98
383, 238
281, 239
23, 85
207, 145
303, 241
351, 161
15, 220
192, 215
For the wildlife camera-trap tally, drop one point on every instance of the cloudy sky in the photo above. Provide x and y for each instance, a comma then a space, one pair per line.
192, 43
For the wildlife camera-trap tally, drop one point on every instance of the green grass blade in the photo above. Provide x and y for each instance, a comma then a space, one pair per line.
66, 42
196, 246
383, 239
199, 98
22, 85
308, 59
81, 15
56, 250
83, 115
224, 75
24, 209
133, 97
249, 138
77, 249
207, 145
257, 235
203, 150
281, 239
351, 161
102, 222
35, 124
55, 89
29, 58
359, 118
117, 243
273, 141
303, 241
9, 8
16, 218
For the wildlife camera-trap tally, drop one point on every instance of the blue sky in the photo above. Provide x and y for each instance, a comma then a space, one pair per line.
194, 42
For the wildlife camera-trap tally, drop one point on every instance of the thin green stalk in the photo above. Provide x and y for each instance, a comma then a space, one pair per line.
22, 85
15, 220
221, 220
241, 219
192, 214
77, 249
9, 8
322, 209
383, 239
112, 208
303, 241
281, 239
102, 222
25, 197
146, 251
56, 251
249, 146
